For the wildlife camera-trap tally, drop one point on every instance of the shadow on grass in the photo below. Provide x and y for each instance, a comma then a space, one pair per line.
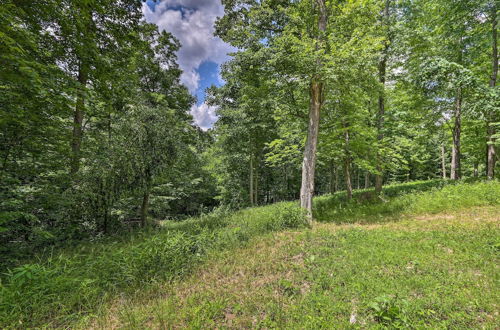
366, 207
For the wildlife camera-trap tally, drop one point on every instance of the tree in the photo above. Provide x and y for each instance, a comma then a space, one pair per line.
493, 114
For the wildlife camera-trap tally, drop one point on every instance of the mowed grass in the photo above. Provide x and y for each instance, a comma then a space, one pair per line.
433, 263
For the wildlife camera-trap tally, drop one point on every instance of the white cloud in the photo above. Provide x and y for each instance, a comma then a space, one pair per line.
204, 115
194, 27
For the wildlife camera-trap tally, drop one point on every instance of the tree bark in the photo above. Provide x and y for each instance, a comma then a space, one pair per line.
256, 185
455, 155
316, 100
251, 192
309, 162
145, 206
443, 161
491, 158
347, 174
336, 179
347, 163
76, 140
367, 180
379, 179
332, 177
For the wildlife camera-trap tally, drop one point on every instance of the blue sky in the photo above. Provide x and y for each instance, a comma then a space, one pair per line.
201, 53
209, 72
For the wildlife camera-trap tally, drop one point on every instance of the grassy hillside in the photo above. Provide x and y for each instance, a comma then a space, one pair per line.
422, 269
432, 271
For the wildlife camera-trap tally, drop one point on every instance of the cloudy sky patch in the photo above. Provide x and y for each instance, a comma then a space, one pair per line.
192, 22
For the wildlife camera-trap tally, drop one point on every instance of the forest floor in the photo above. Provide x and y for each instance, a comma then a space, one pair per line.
437, 270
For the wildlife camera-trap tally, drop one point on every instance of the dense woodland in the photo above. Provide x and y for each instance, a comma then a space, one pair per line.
320, 96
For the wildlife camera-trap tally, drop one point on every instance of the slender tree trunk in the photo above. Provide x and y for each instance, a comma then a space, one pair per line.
251, 182
76, 140
145, 206
107, 211
455, 155
476, 168
256, 186
287, 180
347, 163
347, 174
336, 179
332, 177
443, 161
316, 100
382, 66
491, 159
367, 180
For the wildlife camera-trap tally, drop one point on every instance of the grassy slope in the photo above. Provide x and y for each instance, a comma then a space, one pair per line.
437, 266
141, 280
437, 271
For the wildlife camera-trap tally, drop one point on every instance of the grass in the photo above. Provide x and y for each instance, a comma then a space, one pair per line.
59, 288
397, 200
247, 269
430, 271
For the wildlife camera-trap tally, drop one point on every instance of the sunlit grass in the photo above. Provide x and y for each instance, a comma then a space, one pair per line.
430, 271
141, 279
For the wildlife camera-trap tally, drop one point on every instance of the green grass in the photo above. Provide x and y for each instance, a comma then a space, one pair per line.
407, 198
432, 271
252, 275
59, 288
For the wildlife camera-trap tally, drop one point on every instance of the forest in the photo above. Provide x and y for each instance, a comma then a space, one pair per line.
330, 112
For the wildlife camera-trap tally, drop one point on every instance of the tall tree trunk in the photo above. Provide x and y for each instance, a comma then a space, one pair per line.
382, 66
309, 162
476, 168
455, 154
347, 174
145, 206
76, 140
443, 161
347, 162
316, 100
332, 177
251, 182
367, 180
336, 179
491, 159
256, 185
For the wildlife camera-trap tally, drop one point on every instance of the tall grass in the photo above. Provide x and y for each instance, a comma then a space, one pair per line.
59, 288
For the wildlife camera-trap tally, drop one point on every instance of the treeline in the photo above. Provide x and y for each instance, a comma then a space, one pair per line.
95, 129
387, 91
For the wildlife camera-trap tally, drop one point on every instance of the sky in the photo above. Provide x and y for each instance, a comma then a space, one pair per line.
201, 53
